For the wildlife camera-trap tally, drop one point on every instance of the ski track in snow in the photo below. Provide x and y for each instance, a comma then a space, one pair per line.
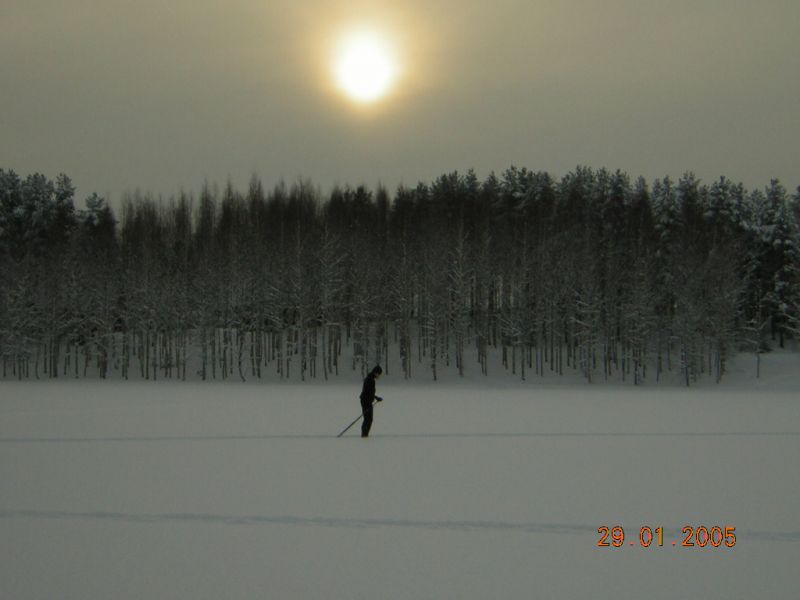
339, 522
303, 436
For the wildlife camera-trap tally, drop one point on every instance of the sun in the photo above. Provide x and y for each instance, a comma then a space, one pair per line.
365, 66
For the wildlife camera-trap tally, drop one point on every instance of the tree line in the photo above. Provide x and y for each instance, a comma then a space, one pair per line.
592, 272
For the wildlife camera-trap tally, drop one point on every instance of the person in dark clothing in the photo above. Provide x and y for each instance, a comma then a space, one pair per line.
368, 397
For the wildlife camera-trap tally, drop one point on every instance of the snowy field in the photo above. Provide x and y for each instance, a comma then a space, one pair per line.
473, 489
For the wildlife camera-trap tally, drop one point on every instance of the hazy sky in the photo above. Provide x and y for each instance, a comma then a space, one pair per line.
162, 95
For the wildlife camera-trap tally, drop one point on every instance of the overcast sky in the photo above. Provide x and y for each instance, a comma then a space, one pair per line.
163, 95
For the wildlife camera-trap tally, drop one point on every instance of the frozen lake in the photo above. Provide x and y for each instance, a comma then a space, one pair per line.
477, 489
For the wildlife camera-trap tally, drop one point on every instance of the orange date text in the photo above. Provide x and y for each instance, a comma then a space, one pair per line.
691, 537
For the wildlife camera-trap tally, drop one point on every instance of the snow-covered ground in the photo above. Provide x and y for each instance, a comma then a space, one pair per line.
468, 489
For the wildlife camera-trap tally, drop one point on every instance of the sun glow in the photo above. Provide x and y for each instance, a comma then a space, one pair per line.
365, 66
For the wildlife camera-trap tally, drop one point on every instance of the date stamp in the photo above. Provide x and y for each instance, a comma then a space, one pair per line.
693, 537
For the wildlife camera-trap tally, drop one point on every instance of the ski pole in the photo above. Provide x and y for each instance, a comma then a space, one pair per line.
353, 423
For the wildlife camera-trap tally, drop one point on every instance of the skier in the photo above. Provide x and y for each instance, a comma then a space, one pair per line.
368, 397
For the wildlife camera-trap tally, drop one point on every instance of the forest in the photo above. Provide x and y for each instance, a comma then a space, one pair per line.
594, 272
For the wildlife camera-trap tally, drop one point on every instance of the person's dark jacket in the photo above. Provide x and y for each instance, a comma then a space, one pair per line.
368, 391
